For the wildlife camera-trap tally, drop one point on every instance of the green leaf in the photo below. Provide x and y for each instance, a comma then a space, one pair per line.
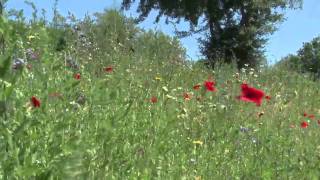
5, 63
56, 67
8, 91
2, 107
27, 171
74, 84
113, 95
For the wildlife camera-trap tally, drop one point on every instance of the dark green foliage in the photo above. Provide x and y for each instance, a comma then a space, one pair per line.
114, 33
2, 27
236, 29
290, 62
310, 56
112, 27
5, 64
2, 6
61, 43
160, 47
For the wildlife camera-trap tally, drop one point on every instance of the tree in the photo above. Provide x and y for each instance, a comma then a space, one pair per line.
307, 59
309, 56
235, 29
290, 62
112, 27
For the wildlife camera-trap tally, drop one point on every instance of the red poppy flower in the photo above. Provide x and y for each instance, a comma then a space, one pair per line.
311, 116
196, 87
77, 76
108, 69
268, 97
250, 94
304, 124
186, 96
305, 114
35, 102
209, 85
154, 99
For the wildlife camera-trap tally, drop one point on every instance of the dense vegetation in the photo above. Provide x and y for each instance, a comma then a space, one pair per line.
99, 98
307, 59
236, 30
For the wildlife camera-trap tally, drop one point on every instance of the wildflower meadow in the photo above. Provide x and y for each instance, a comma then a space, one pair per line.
124, 103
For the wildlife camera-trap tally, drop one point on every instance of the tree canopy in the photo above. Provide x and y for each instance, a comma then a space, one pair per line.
307, 59
235, 29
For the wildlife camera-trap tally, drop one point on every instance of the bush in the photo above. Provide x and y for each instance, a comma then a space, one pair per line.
307, 59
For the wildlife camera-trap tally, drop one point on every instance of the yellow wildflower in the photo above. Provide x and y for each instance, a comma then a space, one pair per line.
158, 78
198, 142
31, 37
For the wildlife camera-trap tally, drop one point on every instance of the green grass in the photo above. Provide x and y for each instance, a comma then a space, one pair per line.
104, 126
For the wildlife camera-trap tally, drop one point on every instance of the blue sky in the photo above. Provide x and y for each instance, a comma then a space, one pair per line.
300, 26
